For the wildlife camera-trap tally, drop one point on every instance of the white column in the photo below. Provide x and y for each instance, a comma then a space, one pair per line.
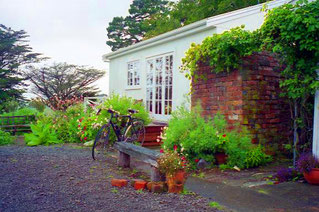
315, 144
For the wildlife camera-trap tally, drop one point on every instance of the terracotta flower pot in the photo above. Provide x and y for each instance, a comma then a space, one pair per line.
221, 158
312, 177
176, 182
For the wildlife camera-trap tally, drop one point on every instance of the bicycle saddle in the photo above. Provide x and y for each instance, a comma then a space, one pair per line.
132, 111
111, 110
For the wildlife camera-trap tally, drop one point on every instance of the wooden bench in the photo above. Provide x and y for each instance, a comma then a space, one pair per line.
14, 124
126, 150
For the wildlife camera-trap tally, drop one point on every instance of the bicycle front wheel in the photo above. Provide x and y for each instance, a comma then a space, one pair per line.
135, 133
101, 142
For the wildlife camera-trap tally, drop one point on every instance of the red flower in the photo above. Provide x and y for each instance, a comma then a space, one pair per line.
196, 160
84, 128
224, 135
183, 158
85, 138
80, 120
162, 151
79, 125
175, 147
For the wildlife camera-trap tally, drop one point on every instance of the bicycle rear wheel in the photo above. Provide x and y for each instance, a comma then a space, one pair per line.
101, 142
135, 132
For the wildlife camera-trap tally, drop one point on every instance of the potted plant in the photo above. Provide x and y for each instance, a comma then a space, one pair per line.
309, 166
174, 166
220, 155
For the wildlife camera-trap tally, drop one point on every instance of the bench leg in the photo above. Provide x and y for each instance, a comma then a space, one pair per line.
124, 160
156, 176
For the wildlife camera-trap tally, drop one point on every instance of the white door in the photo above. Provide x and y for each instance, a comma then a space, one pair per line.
159, 86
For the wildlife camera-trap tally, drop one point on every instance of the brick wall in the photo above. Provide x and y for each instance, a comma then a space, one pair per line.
249, 96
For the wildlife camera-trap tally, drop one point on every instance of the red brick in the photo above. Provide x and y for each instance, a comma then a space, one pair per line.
119, 182
140, 185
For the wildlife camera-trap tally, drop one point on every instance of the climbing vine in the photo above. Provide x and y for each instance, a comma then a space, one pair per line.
223, 51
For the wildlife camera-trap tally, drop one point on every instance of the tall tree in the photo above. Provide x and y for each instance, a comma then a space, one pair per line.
14, 53
63, 82
123, 32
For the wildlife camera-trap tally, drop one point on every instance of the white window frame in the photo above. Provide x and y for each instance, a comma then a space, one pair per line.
136, 74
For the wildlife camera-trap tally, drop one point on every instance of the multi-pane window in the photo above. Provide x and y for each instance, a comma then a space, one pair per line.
159, 82
133, 73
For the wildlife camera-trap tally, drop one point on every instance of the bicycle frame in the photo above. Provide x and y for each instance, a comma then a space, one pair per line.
116, 129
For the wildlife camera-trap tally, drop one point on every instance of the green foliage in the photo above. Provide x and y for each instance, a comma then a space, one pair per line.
197, 138
66, 123
38, 104
14, 53
215, 205
291, 31
42, 134
223, 52
90, 124
9, 105
123, 32
185, 12
5, 138
25, 111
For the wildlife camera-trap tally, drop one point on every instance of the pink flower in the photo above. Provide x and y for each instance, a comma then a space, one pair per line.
162, 151
196, 160
85, 138
183, 158
175, 147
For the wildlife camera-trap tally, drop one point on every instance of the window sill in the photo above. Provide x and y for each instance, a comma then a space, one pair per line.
133, 87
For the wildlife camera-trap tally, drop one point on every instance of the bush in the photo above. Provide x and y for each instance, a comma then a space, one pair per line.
66, 123
89, 125
5, 138
198, 138
42, 133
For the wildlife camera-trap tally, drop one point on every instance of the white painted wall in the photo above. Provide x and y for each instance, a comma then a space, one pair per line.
181, 86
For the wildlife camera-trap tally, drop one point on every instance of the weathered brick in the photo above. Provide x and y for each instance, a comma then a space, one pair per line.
119, 182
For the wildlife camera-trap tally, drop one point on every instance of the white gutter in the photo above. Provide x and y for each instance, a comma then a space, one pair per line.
226, 17
172, 35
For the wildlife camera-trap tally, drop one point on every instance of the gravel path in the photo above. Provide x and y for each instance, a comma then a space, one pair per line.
66, 179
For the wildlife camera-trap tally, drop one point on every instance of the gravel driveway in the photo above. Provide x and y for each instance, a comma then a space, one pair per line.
64, 178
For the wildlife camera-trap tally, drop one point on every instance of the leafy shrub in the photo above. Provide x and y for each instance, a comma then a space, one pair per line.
90, 124
66, 123
198, 138
5, 138
42, 133
25, 111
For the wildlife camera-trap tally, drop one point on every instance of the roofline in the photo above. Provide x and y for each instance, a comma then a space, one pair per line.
156, 39
195, 27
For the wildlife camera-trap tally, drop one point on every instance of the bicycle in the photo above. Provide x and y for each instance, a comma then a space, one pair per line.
130, 130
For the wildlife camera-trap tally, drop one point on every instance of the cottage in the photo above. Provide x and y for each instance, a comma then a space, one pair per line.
149, 70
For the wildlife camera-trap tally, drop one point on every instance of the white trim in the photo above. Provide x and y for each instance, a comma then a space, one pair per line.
226, 17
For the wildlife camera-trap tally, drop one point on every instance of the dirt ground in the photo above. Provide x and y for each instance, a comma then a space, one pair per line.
65, 178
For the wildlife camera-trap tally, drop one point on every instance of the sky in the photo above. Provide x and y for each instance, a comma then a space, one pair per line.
72, 31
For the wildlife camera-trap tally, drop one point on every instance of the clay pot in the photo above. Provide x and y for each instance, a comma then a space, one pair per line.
176, 182
221, 158
312, 177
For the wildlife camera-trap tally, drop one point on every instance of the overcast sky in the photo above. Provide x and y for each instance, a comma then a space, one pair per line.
72, 31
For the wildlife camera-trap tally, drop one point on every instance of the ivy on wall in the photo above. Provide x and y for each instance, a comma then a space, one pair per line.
223, 51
